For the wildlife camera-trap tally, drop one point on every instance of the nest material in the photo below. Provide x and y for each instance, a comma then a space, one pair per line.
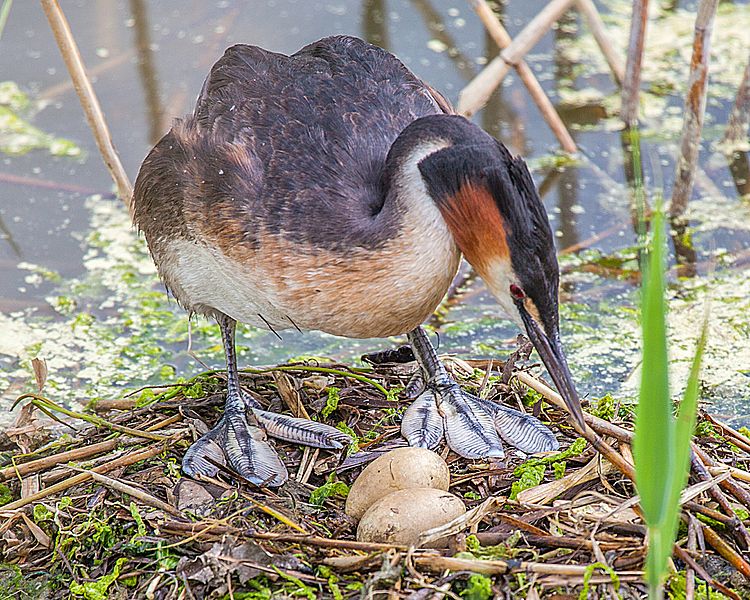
102, 511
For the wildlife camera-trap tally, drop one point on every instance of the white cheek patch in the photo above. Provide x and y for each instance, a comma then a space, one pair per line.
498, 277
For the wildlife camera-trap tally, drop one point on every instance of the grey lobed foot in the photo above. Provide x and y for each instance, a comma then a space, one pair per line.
242, 437
246, 447
302, 431
471, 426
422, 424
521, 430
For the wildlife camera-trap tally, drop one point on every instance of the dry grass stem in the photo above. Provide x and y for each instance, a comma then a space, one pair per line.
42, 464
87, 96
478, 90
632, 82
595, 24
695, 108
501, 37
739, 118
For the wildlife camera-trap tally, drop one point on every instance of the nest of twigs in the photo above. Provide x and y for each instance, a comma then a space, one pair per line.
101, 510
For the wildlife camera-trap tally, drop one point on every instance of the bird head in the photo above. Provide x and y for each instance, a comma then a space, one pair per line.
492, 208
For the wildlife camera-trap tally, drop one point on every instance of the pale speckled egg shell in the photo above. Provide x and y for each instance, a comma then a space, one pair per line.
399, 469
401, 516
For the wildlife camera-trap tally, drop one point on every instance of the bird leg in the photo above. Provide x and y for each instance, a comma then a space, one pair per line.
241, 435
472, 427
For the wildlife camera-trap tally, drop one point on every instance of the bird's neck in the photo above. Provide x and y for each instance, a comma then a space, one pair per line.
438, 179
422, 229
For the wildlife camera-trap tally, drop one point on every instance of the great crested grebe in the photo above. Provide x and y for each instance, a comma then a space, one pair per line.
333, 190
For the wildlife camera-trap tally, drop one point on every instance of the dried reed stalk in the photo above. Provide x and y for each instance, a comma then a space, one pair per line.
478, 90
132, 491
739, 118
595, 24
123, 461
503, 40
88, 99
41, 464
632, 82
695, 107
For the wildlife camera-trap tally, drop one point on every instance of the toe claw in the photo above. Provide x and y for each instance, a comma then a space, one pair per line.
422, 425
302, 431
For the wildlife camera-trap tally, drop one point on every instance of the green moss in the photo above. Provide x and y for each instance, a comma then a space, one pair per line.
14, 584
332, 402
604, 407
354, 446
706, 429
528, 477
531, 397
531, 473
676, 589
330, 488
97, 590
5, 494
478, 587
501, 551
260, 590
145, 398
41, 513
589, 572
140, 525
714, 524
332, 579
295, 586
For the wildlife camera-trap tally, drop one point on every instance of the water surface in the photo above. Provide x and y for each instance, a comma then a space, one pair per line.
78, 288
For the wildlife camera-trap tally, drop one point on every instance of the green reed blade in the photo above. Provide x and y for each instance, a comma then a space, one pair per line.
662, 444
686, 416
654, 443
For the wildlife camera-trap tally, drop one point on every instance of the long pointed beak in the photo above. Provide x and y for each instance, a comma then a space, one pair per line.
553, 357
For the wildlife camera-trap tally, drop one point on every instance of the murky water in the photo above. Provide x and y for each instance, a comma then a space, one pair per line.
77, 287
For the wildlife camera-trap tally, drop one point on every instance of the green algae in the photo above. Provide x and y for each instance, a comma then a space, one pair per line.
330, 488
18, 135
115, 329
604, 407
112, 329
97, 590
531, 473
478, 587
668, 49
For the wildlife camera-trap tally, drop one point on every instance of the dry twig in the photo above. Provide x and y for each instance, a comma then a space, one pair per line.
87, 96
695, 107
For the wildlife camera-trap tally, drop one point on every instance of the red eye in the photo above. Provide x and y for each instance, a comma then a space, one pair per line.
516, 292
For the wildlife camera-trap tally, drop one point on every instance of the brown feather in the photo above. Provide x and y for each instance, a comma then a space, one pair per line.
477, 225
